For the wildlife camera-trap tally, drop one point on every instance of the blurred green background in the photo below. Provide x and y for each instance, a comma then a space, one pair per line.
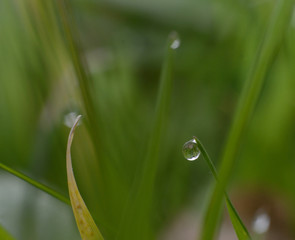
123, 43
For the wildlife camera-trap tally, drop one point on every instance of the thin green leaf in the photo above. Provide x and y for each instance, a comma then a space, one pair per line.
86, 225
80, 67
136, 223
4, 235
35, 183
278, 25
240, 229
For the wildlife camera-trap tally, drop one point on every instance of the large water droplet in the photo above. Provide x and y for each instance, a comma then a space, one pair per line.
190, 150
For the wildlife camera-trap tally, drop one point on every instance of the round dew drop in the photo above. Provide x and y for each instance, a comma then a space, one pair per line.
69, 119
190, 150
175, 44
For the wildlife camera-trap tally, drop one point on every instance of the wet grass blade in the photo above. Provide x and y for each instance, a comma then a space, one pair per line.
240, 229
136, 223
275, 31
4, 235
86, 225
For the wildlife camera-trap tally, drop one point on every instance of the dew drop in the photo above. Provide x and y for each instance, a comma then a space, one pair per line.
261, 222
190, 150
70, 118
175, 44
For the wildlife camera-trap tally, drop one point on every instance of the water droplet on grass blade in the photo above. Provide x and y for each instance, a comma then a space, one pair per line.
175, 44
70, 118
190, 150
175, 40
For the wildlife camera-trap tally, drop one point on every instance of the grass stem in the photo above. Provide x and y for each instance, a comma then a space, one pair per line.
238, 224
35, 184
271, 42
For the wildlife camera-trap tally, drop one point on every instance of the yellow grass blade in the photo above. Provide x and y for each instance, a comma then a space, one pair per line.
86, 225
5, 235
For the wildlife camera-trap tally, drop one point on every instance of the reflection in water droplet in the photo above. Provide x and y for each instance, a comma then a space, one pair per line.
175, 44
261, 223
70, 118
190, 150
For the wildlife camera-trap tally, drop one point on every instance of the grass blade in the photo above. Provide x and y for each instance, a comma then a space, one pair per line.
86, 225
240, 229
136, 222
77, 59
80, 67
4, 235
273, 37
36, 184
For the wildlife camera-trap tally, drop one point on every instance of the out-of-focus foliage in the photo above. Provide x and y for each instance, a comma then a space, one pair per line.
123, 43
4, 234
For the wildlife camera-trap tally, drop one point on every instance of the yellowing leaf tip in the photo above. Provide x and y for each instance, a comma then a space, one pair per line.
86, 225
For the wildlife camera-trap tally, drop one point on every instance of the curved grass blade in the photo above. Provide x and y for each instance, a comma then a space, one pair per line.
4, 235
240, 229
86, 225
278, 24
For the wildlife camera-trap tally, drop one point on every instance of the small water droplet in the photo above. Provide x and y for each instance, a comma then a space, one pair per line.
190, 150
175, 44
70, 118
261, 222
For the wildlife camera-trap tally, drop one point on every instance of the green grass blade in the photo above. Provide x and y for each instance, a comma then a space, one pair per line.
278, 24
240, 229
4, 235
35, 183
86, 225
79, 63
136, 223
